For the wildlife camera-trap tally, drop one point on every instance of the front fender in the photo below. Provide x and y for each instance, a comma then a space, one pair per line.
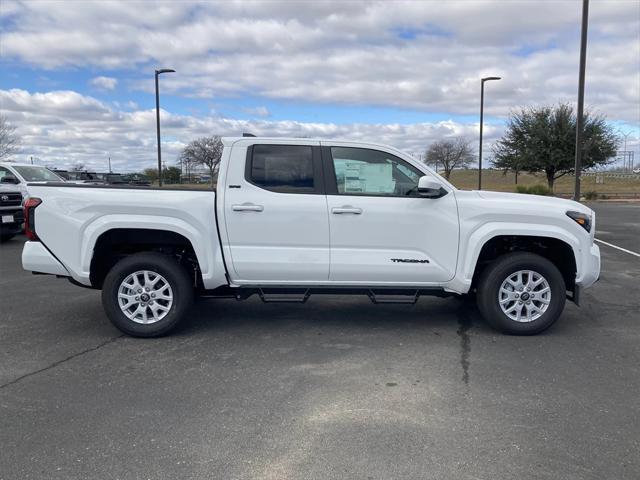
486, 232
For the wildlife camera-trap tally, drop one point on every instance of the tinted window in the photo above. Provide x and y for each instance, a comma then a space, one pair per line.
283, 168
361, 171
37, 174
4, 172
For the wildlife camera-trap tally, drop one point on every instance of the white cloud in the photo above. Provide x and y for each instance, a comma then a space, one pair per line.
257, 112
423, 55
417, 55
63, 128
104, 83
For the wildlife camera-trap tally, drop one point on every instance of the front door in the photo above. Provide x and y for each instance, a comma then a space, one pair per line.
382, 231
276, 215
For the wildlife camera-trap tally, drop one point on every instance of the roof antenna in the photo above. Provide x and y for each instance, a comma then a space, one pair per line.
245, 134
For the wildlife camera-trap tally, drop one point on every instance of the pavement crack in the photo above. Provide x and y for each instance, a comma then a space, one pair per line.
464, 325
60, 362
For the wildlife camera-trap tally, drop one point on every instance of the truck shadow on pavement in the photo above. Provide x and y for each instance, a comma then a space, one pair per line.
344, 314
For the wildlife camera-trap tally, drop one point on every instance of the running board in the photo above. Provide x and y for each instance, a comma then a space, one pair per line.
403, 298
283, 296
287, 294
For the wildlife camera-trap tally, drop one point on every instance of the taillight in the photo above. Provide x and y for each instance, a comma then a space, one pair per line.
30, 217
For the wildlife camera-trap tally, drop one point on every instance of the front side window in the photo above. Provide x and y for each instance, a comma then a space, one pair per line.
37, 174
361, 171
282, 168
4, 172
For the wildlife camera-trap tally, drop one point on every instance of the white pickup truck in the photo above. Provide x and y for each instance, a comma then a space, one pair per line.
296, 217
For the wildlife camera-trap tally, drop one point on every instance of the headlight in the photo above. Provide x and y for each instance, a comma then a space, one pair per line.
581, 219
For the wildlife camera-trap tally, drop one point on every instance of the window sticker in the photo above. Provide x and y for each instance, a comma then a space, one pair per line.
354, 176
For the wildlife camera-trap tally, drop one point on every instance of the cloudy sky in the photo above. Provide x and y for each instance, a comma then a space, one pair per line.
77, 77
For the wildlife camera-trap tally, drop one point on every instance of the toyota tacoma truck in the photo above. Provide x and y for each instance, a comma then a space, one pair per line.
291, 218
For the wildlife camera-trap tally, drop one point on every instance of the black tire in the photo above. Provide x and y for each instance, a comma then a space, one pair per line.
6, 237
175, 275
497, 272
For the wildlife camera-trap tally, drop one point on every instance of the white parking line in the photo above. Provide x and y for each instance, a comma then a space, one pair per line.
619, 248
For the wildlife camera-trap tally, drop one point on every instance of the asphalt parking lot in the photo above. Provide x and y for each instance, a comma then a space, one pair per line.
335, 388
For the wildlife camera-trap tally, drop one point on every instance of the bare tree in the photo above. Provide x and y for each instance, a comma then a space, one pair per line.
450, 153
9, 140
186, 162
205, 151
78, 167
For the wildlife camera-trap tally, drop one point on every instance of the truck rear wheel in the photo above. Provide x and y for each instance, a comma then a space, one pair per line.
521, 293
147, 294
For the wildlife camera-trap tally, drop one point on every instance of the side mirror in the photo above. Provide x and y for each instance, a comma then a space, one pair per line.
429, 188
9, 179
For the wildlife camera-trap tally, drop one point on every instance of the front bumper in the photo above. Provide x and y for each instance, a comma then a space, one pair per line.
590, 272
11, 221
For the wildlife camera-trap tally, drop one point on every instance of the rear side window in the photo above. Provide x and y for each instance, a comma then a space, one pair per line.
282, 168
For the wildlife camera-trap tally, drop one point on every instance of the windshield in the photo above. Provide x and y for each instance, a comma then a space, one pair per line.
37, 174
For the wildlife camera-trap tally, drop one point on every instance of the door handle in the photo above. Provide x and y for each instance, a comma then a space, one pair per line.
346, 209
247, 207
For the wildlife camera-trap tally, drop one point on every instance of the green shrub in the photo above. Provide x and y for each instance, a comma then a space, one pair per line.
539, 190
591, 195
534, 190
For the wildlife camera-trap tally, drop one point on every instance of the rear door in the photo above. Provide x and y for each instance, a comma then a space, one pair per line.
382, 231
275, 213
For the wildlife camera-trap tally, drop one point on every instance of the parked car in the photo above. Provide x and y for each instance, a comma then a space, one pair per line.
90, 178
136, 179
10, 211
111, 178
20, 174
296, 217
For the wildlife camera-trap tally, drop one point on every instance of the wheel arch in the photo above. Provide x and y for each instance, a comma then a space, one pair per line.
557, 250
113, 244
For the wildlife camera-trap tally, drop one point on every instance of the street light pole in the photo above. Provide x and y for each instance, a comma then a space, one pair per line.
158, 72
580, 118
485, 79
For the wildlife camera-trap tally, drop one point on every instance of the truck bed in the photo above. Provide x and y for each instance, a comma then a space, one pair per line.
72, 217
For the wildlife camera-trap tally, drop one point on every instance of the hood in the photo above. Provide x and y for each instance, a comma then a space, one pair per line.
8, 187
18, 187
534, 201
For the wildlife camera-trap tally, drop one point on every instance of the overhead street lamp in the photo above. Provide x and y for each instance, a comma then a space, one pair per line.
580, 116
485, 79
158, 72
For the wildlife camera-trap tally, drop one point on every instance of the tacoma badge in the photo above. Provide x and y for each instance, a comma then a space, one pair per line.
408, 260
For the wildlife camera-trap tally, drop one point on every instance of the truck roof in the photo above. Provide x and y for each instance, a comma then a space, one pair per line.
228, 141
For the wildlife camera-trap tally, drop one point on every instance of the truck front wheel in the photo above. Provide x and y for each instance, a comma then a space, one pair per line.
521, 293
147, 294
